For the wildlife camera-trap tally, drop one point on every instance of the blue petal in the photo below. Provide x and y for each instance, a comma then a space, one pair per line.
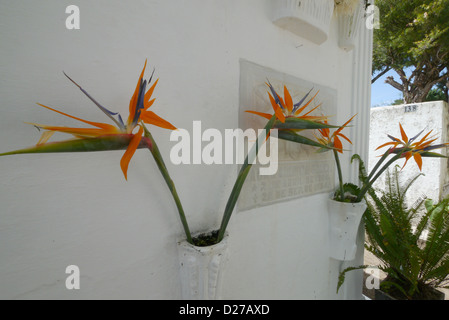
151, 77
275, 95
410, 140
140, 101
394, 139
121, 121
297, 105
110, 114
434, 147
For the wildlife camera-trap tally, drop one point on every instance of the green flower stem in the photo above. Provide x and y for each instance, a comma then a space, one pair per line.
381, 160
244, 170
340, 176
368, 185
163, 169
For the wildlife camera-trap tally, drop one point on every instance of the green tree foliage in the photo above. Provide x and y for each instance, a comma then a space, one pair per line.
439, 92
413, 40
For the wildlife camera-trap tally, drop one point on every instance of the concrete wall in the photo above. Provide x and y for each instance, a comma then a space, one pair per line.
414, 118
64, 209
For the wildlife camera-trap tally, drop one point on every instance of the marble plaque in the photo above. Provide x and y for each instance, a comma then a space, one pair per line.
301, 170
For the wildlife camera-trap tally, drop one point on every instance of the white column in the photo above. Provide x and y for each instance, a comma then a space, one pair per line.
361, 95
360, 105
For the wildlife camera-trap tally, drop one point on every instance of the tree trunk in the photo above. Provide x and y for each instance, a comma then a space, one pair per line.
446, 91
415, 91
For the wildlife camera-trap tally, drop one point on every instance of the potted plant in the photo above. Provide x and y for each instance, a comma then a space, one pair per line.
348, 7
309, 19
350, 14
416, 264
344, 214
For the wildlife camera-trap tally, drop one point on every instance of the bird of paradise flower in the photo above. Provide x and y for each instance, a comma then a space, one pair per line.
333, 140
288, 121
289, 117
405, 148
103, 136
409, 148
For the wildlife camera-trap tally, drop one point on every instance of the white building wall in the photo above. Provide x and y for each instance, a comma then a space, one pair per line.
64, 209
414, 118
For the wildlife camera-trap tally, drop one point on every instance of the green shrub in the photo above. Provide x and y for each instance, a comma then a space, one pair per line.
396, 234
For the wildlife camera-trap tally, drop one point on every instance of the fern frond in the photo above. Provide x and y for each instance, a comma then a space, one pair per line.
342, 275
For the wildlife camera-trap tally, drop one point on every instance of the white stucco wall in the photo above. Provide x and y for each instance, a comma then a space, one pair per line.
64, 209
414, 118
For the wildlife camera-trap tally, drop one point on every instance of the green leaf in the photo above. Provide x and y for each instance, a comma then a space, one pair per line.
350, 192
294, 137
104, 143
298, 123
432, 155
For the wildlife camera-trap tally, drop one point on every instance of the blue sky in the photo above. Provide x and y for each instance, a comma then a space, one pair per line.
382, 94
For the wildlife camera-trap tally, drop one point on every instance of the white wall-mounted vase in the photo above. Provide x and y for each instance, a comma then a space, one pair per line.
201, 270
348, 27
309, 19
344, 222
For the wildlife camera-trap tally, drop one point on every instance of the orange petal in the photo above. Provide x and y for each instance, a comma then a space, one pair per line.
148, 95
288, 99
277, 109
346, 123
282, 101
45, 137
338, 145
280, 114
151, 118
273, 101
425, 144
418, 160
148, 104
314, 118
95, 124
344, 137
84, 132
387, 144
407, 155
324, 132
404, 136
310, 111
262, 114
132, 147
424, 138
